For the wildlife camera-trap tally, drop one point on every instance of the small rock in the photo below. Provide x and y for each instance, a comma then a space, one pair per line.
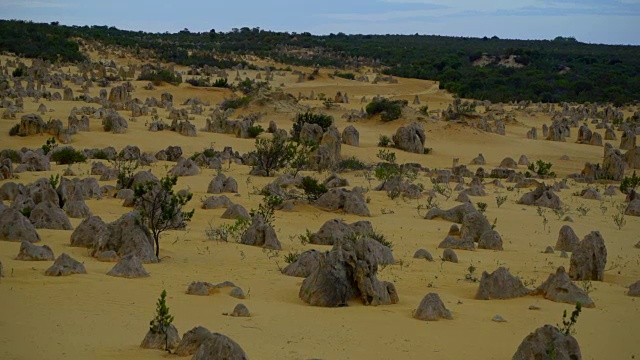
65, 265
30, 252
563, 254
107, 256
240, 311
498, 318
449, 255
129, 267
432, 309
534, 307
634, 289
423, 254
548, 250
237, 293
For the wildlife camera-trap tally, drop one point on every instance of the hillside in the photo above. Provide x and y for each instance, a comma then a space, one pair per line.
559, 70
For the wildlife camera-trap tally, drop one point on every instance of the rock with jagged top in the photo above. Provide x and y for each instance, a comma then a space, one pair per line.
127, 236
191, 341
567, 239
159, 340
589, 258
548, 343
129, 267
262, 234
559, 288
347, 272
218, 346
431, 308
16, 227
304, 265
335, 229
30, 252
47, 215
500, 285
65, 265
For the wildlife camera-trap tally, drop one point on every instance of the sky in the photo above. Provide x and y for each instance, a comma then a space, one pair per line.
591, 21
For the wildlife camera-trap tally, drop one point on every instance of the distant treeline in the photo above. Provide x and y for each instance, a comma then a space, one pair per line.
556, 70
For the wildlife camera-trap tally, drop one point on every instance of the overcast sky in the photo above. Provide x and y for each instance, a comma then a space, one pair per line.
594, 21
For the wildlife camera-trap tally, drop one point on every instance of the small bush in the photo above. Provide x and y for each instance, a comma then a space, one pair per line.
542, 168
381, 239
386, 155
26, 212
424, 110
235, 103
201, 82
157, 77
101, 155
221, 83
388, 109
312, 188
348, 76
501, 200
568, 324
68, 156
11, 155
482, 207
54, 180
325, 121
619, 220
629, 183
49, 145
384, 141
18, 72
254, 131
291, 257
161, 322
351, 163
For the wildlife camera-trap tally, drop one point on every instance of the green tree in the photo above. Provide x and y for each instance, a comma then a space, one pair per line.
160, 208
160, 324
273, 154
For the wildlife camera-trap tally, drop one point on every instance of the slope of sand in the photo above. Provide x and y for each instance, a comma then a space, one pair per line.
100, 317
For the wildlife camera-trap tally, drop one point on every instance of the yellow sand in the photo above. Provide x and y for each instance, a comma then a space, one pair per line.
95, 316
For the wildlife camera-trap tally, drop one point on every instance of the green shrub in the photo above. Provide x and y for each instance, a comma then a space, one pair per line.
221, 83
348, 76
11, 155
312, 188
568, 324
482, 207
291, 257
424, 110
388, 109
384, 141
101, 155
629, 183
254, 131
159, 76
235, 103
325, 121
161, 322
68, 156
542, 168
49, 145
351, 163
201, 82
54, 180
18, 72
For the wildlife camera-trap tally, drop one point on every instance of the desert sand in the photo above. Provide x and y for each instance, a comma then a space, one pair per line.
95, 316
